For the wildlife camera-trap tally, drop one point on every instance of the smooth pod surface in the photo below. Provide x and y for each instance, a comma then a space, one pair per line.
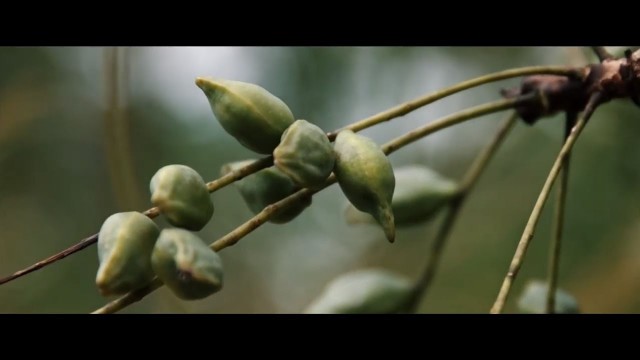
305, 154
367, 291
182, 197
125, 243
248, 112
366, 177
419, 194
187, 265
266, 187
534, 299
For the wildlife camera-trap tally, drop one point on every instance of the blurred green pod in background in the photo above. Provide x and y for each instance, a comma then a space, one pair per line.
366, 291
419, 194
266, 187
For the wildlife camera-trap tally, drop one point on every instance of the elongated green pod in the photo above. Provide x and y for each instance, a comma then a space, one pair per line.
187, 265
305, 154
367, 291
182, 197
534, 299
125, 243
266, 187
419, 194
366, 178
248, 112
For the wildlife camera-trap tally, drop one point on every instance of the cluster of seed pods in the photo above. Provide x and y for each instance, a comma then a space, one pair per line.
132, 249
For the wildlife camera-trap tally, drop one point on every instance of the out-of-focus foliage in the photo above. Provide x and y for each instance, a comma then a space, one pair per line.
56, 185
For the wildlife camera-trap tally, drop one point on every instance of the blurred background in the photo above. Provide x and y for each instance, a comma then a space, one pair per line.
82, 130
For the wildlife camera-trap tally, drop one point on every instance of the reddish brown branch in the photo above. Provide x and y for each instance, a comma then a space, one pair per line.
86, 242
601, 53
61, 255
613, 79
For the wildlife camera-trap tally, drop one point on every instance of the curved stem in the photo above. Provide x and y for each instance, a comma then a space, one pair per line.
558, 223
466, 184
554, 251
262, 217
456, 118
409, 106
525, 240
387, 115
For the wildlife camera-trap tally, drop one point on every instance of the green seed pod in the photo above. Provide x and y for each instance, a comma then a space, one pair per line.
182, 197
366, 178
266, 187
305, 154
370, 291
125, 243
419, 194
534, 300
251, 114
187, 265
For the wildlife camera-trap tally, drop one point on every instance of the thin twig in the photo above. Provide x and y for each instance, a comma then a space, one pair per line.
387, 115
527, 235
262, 217
558, 223
601, 53
458, 117
468, 181
151, 213
409, 106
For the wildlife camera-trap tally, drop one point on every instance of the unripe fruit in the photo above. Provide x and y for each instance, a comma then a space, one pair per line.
125, 243
182, 197
370, 291
366, 178
187, 265
305, 154
248, 112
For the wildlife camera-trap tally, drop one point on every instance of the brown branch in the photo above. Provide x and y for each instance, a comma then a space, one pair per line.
613, 79
61, 255
601, 53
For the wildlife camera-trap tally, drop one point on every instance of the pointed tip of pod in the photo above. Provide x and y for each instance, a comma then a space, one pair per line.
102, 284
200, 80
207, 84
386, 220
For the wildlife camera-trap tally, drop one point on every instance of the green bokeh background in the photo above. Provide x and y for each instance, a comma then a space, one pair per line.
63, 170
